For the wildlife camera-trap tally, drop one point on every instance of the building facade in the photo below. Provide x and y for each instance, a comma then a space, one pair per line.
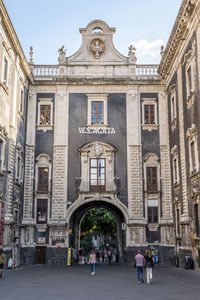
180, 67
15, 75
99, 130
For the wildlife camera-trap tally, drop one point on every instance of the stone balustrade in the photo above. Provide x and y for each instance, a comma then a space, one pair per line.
147, 70
45, 70
54, 70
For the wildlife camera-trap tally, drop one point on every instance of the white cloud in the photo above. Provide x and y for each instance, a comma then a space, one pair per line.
145, 49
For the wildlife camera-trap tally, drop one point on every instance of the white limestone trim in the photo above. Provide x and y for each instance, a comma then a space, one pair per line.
190, 63
94, 150
5, 56
3, 135
174, 153
173, 104
150, 101
45, 197
151, 160
192, 136
19, 166
100, 98
45, 101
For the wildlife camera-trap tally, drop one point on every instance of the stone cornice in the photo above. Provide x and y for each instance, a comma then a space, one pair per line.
15, 41
178, 32
98, 81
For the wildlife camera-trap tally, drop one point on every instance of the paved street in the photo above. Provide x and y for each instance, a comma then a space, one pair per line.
110, 282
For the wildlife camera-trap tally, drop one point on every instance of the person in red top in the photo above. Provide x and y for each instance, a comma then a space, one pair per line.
139, 261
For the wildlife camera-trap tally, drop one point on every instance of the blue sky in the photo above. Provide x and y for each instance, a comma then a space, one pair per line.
48, 24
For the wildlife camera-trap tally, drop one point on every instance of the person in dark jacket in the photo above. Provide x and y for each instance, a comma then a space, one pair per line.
149, 263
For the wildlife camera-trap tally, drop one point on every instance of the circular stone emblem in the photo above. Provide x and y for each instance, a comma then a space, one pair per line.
97, 47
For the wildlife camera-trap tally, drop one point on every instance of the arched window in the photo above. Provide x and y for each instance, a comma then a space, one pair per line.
97, 30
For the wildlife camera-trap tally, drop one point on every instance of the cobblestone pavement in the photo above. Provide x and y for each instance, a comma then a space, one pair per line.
110, 282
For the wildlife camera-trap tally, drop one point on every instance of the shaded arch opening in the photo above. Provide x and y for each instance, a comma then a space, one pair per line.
113, 238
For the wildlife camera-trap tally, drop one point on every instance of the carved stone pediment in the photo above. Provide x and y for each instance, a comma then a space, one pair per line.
97, 148
97, 46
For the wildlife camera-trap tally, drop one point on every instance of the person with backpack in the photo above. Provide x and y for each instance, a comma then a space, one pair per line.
149, 263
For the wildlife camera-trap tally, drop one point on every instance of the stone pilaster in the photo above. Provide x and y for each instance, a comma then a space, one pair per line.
165, 161
28, 183
11, 166
182, 147
135, 199
166, 184
59, 199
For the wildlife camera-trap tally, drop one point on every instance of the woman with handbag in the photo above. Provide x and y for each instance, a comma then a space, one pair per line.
149, 263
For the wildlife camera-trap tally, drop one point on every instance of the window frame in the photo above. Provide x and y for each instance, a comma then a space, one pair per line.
154, 187
42, 207
147, 102
196, 219
19, 164
192, 136
175, 166
149, 114
97, 98
43, 188
97, 187
46, 112
45, 102
153, 214
1, 154
5, 80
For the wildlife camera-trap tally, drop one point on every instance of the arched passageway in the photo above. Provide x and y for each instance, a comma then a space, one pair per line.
118, 233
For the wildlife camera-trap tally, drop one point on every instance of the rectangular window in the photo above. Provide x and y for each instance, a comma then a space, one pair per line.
175, 171
153, 214
21, 101
45, 114
18, 168
193, 161
189, 80
152, 179
5, 71
42, 211
196, 219
178, 222
1, 154
149, 114
97, 174
97, 112
43, 179
173, 108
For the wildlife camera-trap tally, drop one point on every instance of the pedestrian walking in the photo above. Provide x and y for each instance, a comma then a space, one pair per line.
149, 263
2, 261
109, 256
92, 261
139, 262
